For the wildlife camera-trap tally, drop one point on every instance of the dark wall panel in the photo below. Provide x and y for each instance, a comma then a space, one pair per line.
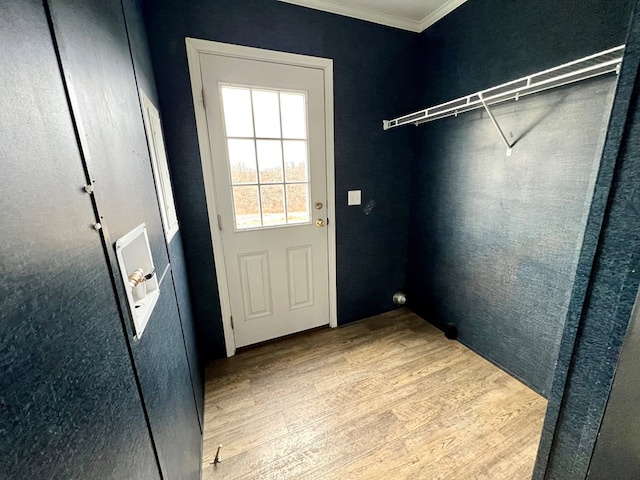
371, 82
141, 57
602, 303
618, 446
183, 294
166, 386
146, 81
98, 66
69, 406
495, 240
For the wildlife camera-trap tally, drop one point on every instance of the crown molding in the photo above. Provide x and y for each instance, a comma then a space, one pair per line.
358, 13
378, 17
440, 13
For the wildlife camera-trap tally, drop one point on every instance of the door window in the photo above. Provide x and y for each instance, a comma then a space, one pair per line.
268, 156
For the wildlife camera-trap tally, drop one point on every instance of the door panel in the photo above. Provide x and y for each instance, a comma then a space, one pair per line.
266, 130
256, 284
300, 276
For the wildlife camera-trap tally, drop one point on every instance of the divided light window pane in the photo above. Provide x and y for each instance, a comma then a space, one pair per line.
269, 166
237, 112
266, 114
242, 160
295, 160
272, 197
247, 207
297, 203
294, 118
270, 160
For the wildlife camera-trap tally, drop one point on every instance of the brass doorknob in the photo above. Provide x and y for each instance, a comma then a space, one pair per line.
320, 223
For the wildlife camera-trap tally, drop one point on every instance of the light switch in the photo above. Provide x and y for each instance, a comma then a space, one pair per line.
355, 197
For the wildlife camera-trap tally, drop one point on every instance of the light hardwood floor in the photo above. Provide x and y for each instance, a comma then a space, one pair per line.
385, 398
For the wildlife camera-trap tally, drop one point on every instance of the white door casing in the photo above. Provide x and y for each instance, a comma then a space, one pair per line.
285, 253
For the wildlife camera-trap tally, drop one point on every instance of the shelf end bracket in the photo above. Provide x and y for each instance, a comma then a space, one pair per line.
495, 123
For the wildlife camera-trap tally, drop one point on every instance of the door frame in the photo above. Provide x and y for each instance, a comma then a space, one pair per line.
194, 48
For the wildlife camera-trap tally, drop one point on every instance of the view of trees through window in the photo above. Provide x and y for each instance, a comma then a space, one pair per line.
268, 157
247, 202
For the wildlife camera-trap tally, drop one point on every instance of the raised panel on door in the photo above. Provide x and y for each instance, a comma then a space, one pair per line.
256, 284
300, 276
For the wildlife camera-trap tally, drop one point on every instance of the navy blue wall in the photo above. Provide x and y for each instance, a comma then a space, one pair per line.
618, 446
495, 240
69, 405
373, 79
484, 43
81, 396
143, 70
604, 292
98, 66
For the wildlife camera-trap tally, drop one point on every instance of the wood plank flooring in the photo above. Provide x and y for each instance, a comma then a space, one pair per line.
385, 398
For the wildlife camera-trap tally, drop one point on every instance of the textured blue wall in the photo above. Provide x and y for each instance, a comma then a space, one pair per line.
494, 240
617, 450
90, 386
98, 66
604, 292
373, 79
143, 70
487, 42
69, 405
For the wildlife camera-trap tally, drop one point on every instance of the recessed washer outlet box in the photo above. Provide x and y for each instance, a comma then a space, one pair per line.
133, 253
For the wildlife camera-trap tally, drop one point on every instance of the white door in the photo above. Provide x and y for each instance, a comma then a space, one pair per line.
266, 130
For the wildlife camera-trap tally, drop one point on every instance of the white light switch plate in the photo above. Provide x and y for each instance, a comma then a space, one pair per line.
355, 197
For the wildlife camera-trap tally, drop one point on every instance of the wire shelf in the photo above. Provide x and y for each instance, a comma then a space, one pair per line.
602, 63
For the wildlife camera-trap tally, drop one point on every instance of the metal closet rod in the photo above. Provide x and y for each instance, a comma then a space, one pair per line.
595, 65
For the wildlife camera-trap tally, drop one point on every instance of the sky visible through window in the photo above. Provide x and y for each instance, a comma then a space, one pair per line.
266, 135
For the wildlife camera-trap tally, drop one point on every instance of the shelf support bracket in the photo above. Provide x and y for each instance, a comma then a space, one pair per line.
495, 123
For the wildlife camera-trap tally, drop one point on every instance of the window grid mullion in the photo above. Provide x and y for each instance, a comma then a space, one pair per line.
255, 146
284, 171
284, 183
268, 138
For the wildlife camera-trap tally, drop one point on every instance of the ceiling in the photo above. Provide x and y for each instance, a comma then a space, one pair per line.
412, 15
